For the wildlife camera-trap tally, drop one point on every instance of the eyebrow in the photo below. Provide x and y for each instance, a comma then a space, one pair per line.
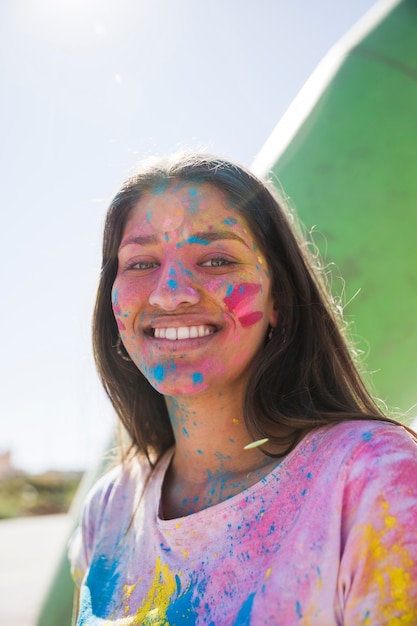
139, 240
203, 238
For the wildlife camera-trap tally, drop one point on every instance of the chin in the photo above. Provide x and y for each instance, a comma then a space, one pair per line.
179, 388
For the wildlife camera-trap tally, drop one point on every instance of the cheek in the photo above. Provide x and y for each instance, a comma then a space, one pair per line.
117, 311
125, 300
244, 302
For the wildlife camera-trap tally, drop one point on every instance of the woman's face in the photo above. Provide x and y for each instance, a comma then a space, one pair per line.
192, 295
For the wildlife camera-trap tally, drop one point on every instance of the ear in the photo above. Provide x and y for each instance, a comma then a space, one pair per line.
273, 318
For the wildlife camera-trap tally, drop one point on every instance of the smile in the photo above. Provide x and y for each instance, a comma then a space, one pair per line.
183, 332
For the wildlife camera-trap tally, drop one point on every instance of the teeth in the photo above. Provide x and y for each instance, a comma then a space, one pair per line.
183, 332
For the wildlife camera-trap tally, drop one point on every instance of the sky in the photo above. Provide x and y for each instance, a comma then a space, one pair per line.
89, 88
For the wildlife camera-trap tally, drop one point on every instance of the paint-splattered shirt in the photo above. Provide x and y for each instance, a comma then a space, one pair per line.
329, 537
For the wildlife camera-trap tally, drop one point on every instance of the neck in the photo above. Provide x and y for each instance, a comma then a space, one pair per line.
210, 437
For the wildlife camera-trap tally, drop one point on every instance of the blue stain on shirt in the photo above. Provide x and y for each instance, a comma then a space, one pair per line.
197, 378
98, 590
243, 618
298, 609
366, 436
181, 610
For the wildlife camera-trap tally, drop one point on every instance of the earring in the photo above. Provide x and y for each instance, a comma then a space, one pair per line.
121, 350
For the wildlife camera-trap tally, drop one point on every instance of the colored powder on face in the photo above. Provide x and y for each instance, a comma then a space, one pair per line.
160, 188
172, 283
193, 205
230, 221
117, 311
203, 242
240, 293
159, 373
197, 378
250, 318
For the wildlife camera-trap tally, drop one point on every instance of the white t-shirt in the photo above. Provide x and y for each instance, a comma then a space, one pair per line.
329, 537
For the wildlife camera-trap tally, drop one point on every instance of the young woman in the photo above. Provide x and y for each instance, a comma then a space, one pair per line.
263, 484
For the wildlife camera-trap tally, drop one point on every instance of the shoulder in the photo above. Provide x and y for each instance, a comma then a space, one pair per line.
359, 454
355, 438
115, 488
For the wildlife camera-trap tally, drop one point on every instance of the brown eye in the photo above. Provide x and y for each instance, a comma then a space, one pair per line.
217, 262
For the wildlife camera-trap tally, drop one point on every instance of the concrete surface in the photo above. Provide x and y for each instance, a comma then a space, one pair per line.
29, 551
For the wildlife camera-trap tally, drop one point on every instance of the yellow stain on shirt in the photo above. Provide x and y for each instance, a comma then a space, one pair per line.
389, 570
155, 605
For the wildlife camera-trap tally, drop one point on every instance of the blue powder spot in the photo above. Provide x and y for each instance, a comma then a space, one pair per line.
199, 452
166, 237
159, 373
164, 548
115, 296
304, 491
243, 618
125, 314
366, 436
185, 431
172, 283
298, 609
241, 289
229, 290
172, 272
197, 378
230, 221
149, 215
160, 188
203, 242
309, 475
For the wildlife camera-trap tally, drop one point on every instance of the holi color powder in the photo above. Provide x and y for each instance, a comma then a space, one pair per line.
240, 293
117, 311
250, 318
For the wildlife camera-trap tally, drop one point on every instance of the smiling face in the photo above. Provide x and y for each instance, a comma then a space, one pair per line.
192, 296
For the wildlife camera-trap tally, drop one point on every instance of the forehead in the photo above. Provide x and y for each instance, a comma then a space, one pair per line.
183, 205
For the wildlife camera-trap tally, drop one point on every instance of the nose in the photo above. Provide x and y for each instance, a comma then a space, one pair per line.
174, 287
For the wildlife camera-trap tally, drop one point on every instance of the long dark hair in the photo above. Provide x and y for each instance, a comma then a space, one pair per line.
305, 376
